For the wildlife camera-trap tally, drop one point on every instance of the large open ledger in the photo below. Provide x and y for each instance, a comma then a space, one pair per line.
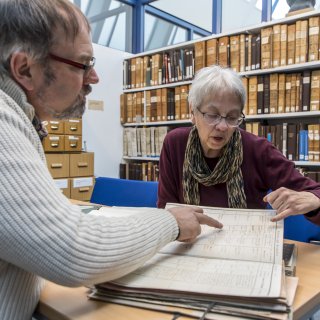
234, 271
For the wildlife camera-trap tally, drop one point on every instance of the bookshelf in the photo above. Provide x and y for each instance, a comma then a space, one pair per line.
281, 57
157, 123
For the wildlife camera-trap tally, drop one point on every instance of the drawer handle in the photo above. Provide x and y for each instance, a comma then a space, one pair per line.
54, 127
82, 164
73, 128
56, 165
86, 189
54, 145
73, 145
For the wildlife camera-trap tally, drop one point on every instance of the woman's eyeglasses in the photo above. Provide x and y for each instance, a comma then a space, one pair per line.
214, 118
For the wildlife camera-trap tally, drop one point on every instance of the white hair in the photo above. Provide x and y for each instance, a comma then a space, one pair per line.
214, 79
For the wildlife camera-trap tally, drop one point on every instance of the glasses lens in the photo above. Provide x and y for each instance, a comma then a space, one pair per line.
92, 62
212, 118
89, 66
234, 122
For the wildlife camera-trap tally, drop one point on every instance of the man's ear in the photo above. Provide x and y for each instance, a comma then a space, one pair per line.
20, 64
192, 118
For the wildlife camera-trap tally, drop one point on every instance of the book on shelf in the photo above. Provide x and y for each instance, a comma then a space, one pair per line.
313, 52
236, 271
253, 95
304, 41
276, 45
291, 43
266, 48
266, 94
235, 53
293, 92
260, 94
199, 55
283, 44
306, 79
274, 89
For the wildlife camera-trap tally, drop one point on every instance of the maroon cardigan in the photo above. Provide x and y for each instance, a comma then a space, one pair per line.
263, 168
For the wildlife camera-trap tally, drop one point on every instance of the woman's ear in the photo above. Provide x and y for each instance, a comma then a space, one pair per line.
192, 118
20, 64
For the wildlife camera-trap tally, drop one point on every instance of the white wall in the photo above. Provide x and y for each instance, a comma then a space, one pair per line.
102, 131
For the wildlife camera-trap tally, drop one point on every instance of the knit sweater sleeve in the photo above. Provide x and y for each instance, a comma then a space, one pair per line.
41, 232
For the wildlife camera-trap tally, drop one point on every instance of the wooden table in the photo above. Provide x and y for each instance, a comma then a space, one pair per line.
61, 303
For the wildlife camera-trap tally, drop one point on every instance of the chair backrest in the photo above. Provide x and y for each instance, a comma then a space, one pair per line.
300, 229
127, 193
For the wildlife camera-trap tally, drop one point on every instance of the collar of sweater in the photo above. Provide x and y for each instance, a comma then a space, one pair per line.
13, 90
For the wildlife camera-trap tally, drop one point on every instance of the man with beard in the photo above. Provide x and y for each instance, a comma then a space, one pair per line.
46, 69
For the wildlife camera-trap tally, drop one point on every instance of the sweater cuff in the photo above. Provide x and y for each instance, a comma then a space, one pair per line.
312, 213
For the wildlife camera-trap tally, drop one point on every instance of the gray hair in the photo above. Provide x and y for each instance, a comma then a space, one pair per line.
30, 26
214, 79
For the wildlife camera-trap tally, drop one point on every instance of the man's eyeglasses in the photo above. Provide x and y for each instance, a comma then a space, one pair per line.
213, 119
86, 67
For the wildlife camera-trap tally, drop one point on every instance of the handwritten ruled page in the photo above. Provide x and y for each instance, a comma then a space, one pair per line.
244, 259
207, 276
246, 235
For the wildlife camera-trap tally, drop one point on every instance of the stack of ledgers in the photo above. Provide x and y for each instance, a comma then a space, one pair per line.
234, 272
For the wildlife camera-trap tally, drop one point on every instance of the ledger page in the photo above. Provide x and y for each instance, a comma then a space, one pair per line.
247, 234
206, 276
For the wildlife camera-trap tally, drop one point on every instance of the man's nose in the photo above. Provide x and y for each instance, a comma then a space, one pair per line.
91, 77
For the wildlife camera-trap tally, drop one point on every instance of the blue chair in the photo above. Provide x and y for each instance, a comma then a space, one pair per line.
126, 193
298, 228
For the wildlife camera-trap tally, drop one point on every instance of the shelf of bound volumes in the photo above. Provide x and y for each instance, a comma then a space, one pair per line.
280, 67
145, 170
157, 123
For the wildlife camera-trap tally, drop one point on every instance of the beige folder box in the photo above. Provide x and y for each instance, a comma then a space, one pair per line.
73, 126
58, 164
53, 143
81, 164
64, 186
72, 143
81, 188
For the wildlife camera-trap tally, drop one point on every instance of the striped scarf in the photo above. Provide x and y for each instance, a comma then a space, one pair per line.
227, 170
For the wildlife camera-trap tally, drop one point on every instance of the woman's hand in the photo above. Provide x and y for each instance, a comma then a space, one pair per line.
289, 202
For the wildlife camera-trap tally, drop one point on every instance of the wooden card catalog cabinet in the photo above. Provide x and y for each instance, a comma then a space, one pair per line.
64, 186
58, 164
73, 126
72, 143
81, 188
53, 143
72, 169
55, 127
81, 164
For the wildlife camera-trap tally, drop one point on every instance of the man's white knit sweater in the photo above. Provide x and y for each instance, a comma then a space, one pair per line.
43, 236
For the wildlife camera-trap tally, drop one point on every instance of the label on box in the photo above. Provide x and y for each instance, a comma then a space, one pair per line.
61, 183
82, 182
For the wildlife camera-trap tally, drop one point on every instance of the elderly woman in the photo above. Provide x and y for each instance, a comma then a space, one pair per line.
215, 163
